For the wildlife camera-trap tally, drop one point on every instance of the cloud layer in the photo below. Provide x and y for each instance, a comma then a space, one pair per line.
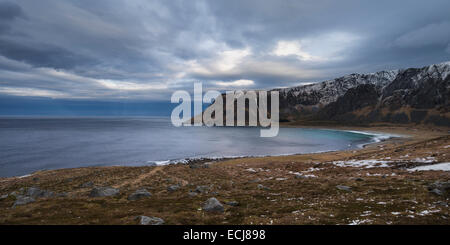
135, 50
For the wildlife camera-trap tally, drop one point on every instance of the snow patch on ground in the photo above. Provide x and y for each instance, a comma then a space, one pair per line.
369, 163
425, 160
445, 166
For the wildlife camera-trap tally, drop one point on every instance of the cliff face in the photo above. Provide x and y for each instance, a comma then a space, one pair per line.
414, 95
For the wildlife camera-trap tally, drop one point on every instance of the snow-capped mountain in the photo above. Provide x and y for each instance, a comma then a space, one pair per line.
414, 95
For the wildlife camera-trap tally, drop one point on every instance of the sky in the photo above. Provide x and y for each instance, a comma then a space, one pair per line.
144, 50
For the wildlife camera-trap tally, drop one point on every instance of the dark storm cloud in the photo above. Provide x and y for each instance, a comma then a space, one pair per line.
145, 49
9, 11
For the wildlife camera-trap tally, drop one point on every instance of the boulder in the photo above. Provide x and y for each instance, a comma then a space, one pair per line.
232, 203
103, 192
35, 192
145, 220
440, 188
202, 189
87, 184
300, 176
23, 200
141, 193
213, 205
192, 193
173, 188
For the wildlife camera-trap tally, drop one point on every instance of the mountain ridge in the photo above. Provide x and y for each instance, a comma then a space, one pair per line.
412, 95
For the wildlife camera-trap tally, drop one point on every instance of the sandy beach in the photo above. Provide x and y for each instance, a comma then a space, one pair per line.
373, 185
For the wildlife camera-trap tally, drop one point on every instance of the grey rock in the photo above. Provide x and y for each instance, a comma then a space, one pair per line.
254, 181
192, 193
87, 184
344, 188
103, 192
263, 187
141, 193
440, 188
14, 193
232, 203
145, 220
173, 188
35, 192
202, 189
4, 196
213, 205
299, 176
23, 200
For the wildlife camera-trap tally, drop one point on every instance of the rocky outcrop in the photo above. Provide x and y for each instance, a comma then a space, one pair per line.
23, 200
103, 192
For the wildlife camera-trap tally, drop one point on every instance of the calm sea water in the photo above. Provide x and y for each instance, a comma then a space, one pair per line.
31, 144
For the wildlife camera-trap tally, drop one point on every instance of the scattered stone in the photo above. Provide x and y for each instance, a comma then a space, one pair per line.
23, 200
213, 205
440, 188
88, 184
173, 188
14, 193
141, 193
263, 187
202, 189
192, 193
199, 165
300, 176
442, 203
145, 220
232, 203
344, 188
103, 192
4, 196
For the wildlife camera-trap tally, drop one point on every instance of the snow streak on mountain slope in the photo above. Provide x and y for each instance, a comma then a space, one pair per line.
323, 93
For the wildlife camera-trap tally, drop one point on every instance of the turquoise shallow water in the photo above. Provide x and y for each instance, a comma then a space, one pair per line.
31, 144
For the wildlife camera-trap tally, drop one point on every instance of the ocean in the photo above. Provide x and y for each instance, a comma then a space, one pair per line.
31, 144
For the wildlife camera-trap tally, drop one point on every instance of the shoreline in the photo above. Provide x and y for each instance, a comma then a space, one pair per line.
370, 185
382, 137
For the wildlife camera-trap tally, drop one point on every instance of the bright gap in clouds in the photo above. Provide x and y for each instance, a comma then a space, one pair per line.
237, 83
286, 48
